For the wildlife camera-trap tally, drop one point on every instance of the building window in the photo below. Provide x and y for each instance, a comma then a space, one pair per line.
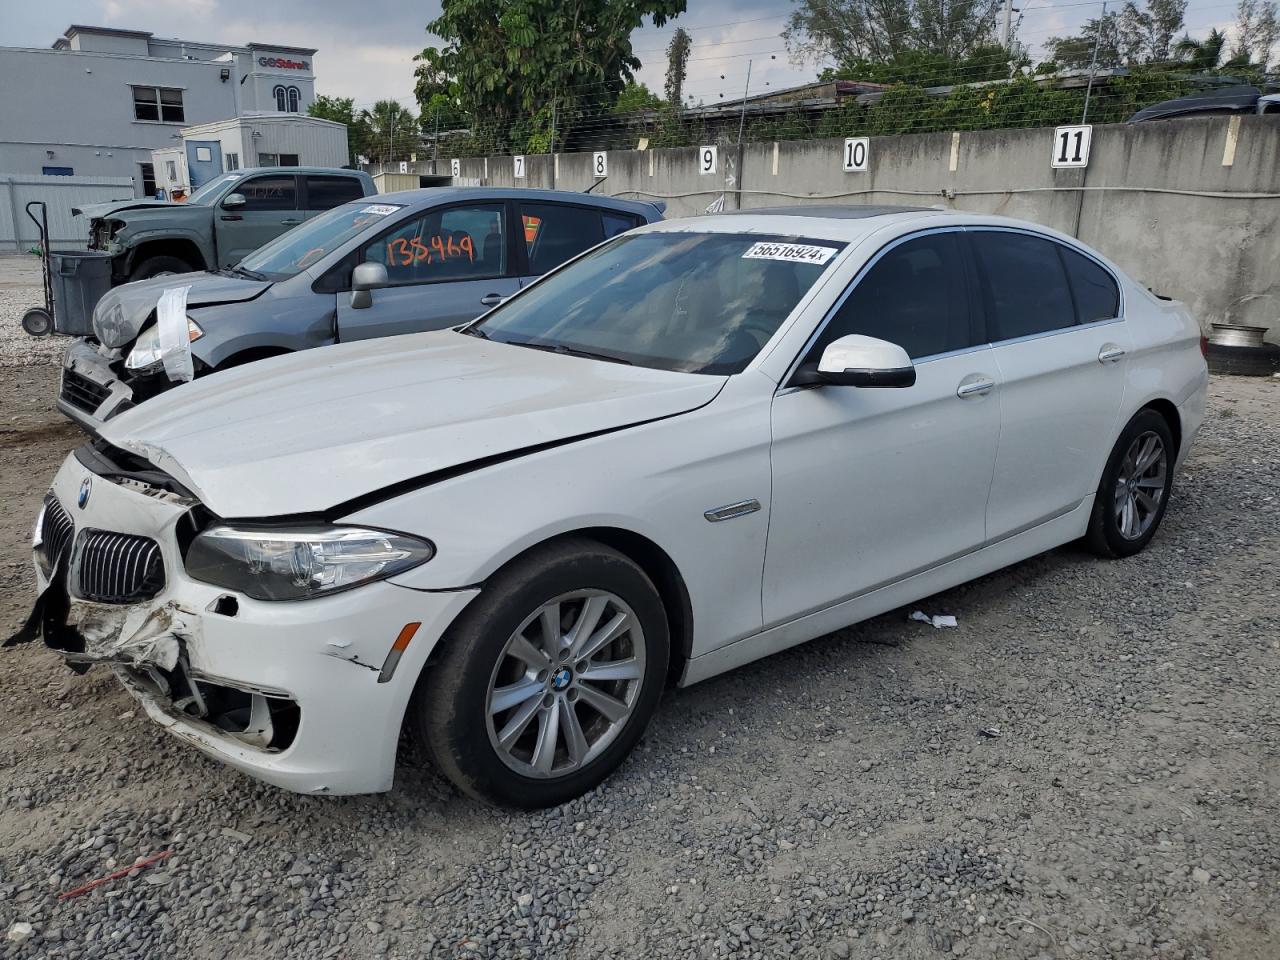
148, 172
58, 171
171, 170
233, 161
293, 99
278, 92
288, 159
158, 103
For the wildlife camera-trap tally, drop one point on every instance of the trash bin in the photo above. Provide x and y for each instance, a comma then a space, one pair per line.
80, 279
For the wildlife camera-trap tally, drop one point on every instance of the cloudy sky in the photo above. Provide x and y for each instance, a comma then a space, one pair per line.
365, 48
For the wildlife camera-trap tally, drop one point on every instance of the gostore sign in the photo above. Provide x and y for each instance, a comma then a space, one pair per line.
283, 63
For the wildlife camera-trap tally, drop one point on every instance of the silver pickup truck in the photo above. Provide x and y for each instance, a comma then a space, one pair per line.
220, 224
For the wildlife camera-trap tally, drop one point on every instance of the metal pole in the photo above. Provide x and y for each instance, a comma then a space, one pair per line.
742, 120
1093, 66
553, 143
742, 126
1005, 23
391, 153
435, 144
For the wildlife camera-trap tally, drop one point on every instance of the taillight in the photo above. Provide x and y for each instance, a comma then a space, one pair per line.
1204, 347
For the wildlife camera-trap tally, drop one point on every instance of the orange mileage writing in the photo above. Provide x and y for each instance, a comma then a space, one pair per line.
402, 252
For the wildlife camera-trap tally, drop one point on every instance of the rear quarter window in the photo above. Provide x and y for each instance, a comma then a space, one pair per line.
1096, 294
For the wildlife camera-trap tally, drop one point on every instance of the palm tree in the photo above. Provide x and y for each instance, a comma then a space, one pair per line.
392, 131
1202, 55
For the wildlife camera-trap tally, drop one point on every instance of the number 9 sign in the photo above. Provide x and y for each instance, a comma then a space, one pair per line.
706, 160
600, 164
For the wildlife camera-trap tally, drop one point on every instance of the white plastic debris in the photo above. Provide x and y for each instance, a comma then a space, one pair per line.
938, 620
175, 335
20, 931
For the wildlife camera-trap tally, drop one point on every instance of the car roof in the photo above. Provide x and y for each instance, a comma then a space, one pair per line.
432, 196
844, 222
340, 171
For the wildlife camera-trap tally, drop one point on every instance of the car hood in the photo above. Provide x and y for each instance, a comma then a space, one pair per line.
123, 310
97, 210
305, 433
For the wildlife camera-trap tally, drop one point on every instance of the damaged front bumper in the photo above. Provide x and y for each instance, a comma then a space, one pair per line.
90, 393
293, 693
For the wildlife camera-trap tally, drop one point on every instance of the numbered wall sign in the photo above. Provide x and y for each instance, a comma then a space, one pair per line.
404, 166
1071, 146
455, 168
600, 164
707, 159
519, 164
857, 153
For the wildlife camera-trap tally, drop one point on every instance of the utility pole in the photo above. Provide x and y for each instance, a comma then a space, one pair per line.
742, 126
1006, 22
553, 143
435, 143
1093, 65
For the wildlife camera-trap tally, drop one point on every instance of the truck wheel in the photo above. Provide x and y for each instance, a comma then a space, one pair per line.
158, 267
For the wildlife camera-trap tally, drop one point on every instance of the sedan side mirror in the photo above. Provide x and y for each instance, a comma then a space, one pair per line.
232, 200
858, 361
365, 278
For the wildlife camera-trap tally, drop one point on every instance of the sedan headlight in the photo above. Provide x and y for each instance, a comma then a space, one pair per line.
302, 562
145, 356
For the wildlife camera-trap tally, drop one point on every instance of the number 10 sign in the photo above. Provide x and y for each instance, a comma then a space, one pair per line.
1071, 146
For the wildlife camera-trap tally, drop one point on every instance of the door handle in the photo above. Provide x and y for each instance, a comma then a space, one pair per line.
492, 299
290, 223
977, 385
231, 216
1110, 353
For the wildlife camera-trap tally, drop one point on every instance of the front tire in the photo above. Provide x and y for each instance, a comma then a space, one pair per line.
548, 679
1135, 487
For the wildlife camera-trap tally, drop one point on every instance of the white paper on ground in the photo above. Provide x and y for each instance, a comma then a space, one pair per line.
938, 620
175, 341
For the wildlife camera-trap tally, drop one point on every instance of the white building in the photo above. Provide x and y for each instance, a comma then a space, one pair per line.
101, 99
253, 140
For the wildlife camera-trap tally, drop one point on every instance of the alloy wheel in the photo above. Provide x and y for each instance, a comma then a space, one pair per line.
565, 684
1140, 484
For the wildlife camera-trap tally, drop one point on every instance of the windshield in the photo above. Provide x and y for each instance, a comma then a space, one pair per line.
291, 253
204, 197
693, 302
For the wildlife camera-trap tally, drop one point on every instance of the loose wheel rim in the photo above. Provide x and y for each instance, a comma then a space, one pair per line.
1140, 485
566, 683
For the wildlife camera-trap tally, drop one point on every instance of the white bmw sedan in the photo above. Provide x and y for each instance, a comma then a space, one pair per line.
699, 443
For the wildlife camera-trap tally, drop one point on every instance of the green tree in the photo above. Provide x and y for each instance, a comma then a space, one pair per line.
501, 59
1125, 37
637, 98
342, 110
677, 67
1203, 56
847, 32
392, 131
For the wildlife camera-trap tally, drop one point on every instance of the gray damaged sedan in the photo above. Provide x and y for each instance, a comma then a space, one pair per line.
398, 263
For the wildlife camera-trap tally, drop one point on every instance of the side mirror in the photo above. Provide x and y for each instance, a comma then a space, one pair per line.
365, 278
858, 361
233, 200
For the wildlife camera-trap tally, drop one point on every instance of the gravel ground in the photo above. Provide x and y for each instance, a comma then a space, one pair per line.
1085, 767
19, 292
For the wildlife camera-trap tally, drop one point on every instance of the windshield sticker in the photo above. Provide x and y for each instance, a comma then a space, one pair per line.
380, 209
791, 252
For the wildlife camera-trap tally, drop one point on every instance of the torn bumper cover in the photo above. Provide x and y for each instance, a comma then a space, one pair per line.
287, 692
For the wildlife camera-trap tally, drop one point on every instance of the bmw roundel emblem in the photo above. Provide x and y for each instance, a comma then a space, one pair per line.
561, 678
86, 486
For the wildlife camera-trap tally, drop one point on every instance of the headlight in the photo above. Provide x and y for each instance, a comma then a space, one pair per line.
145, 355
303, 562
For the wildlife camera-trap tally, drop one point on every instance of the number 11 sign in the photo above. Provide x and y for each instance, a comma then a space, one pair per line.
1071, 146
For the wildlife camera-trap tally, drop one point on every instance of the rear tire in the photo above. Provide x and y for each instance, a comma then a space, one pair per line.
520, 710
1134, 491
1260, 361
158, 266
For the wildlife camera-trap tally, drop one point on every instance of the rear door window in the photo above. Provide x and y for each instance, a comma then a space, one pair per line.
555, 232
458, 243
616, 223
269, 193
1096, 294
916, 295
325, 193
1026, 285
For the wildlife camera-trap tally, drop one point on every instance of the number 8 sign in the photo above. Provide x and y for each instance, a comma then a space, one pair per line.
600, 164
1071, 146
707, 159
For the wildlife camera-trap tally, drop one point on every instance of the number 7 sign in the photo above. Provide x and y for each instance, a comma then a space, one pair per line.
1071, 146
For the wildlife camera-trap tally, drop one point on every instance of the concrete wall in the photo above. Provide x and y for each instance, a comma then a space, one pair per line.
1190, 208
